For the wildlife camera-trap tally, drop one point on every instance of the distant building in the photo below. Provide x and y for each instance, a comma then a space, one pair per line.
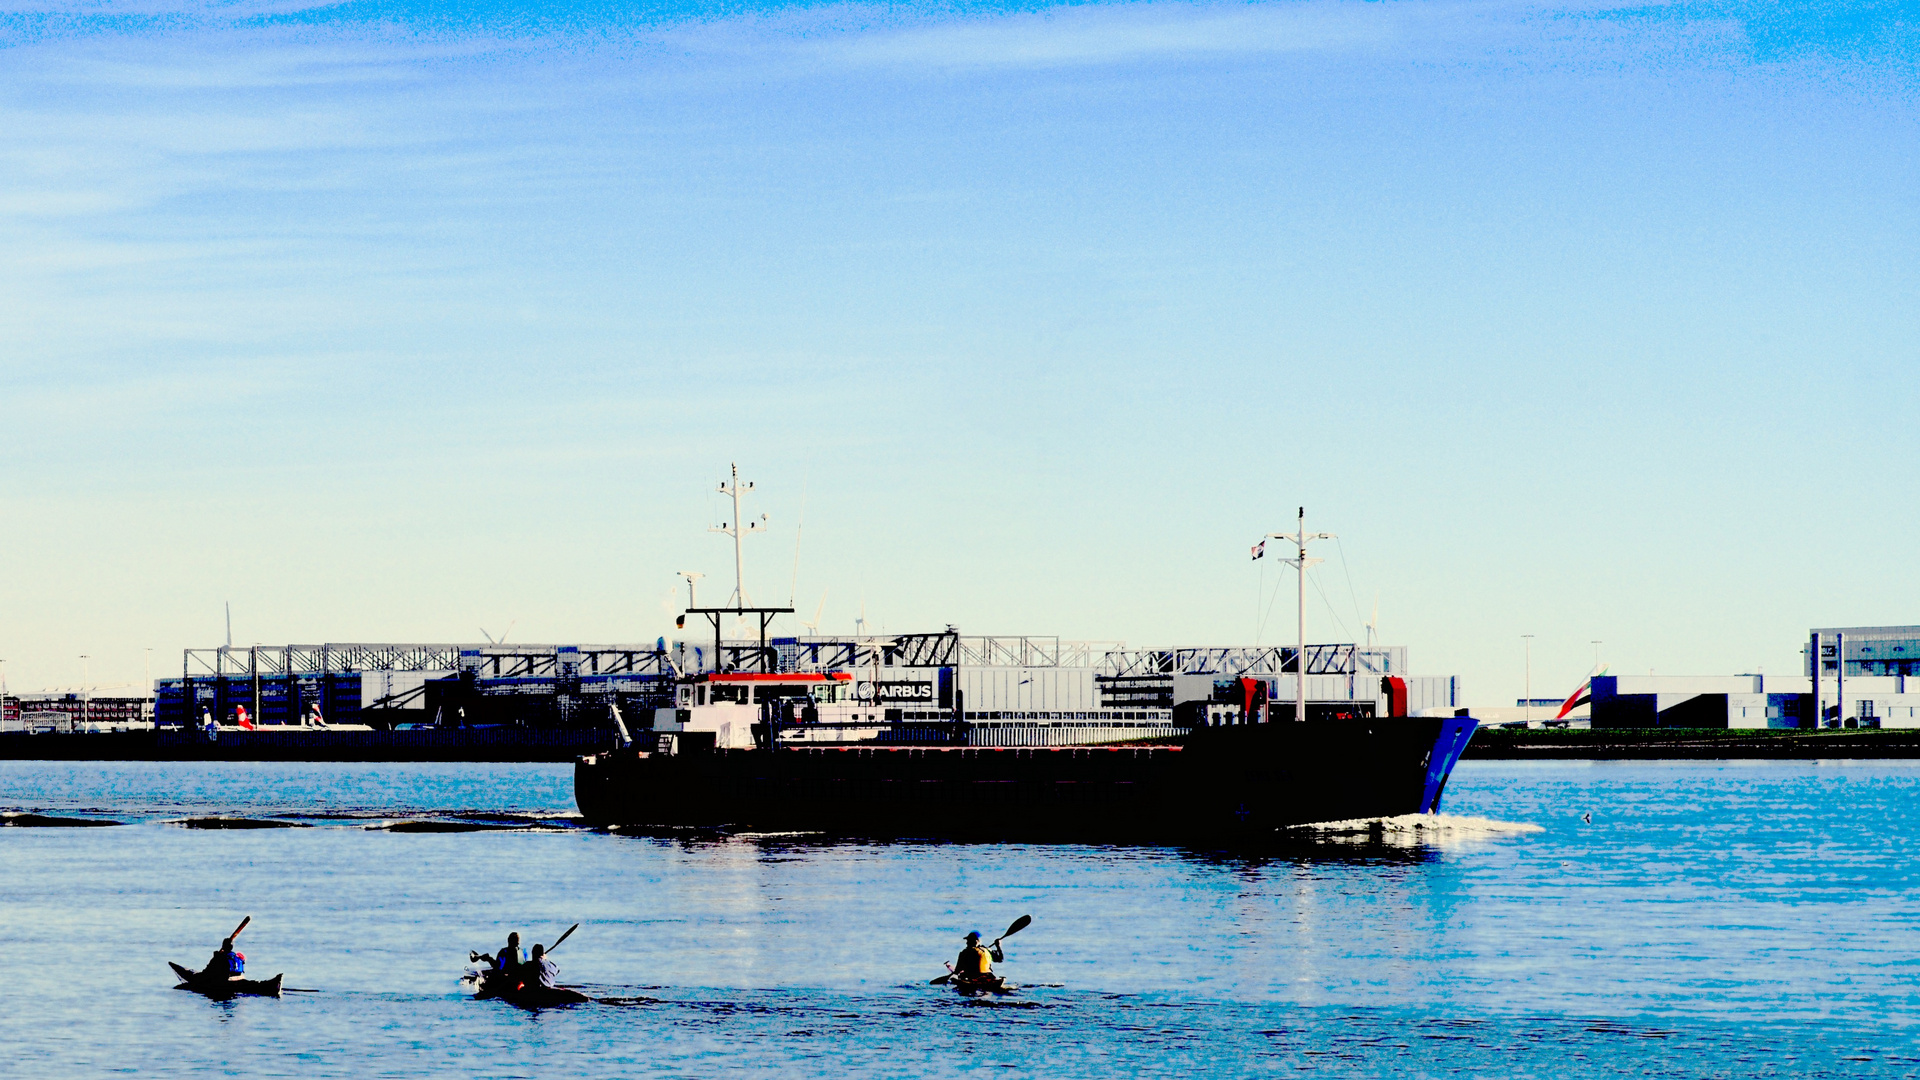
1867, 677
73, 712
1753, 701
1869, 650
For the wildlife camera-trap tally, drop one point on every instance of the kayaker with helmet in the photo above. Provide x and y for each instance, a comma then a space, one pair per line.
976, 960
227, 963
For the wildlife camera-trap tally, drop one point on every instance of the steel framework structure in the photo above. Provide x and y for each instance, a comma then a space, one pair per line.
1034, 652
944, 649
485, 661
1227, 660
843, 654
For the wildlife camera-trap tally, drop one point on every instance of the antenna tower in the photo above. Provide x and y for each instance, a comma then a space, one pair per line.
737, 530
1300, 538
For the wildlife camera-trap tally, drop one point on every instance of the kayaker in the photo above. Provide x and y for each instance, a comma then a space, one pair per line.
506, 959
542, 970
976, 960
226, 963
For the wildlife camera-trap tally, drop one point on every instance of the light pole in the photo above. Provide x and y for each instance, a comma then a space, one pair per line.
86, 689
1528, 638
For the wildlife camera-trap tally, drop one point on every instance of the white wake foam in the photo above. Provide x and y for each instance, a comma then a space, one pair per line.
1409, 830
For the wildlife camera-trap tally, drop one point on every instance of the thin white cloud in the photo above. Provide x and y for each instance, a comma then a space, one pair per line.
1120, 33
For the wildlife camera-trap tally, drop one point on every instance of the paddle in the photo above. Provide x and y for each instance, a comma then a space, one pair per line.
549, 949
1018, 925
235, 934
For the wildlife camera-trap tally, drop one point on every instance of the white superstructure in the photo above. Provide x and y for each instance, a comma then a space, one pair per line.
1019, 691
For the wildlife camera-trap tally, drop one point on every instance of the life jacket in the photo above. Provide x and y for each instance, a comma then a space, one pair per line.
235, 962
508, 958
975, 960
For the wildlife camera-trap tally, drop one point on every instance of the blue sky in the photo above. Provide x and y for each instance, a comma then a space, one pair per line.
394, 321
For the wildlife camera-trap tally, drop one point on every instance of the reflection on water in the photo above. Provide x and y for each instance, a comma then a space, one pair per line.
1711, 917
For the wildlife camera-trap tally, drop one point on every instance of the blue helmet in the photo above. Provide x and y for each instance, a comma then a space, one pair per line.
973, 935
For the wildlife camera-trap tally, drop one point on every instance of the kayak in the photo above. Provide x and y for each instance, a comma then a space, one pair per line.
981, 984
540, 997
219, 986
534, 996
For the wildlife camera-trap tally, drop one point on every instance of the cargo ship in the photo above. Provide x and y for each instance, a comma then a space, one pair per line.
984, 738
875, 737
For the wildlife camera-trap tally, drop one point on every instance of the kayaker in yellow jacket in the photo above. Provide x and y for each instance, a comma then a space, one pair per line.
976, 960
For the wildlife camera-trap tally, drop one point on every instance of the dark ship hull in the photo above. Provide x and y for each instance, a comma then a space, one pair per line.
1223, 783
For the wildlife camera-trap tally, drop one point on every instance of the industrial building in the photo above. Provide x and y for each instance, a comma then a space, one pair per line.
1868, 650
51, 713
1004, 690
391, 685
1752, 701
1867, 677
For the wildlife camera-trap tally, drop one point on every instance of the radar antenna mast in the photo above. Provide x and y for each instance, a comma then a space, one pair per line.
737, 529
1299, 538
740, 609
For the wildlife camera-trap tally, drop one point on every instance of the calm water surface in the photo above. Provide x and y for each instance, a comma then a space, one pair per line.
1714, 919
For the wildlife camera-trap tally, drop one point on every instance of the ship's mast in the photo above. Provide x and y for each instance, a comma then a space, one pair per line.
1299, 538
739, 610
736, 530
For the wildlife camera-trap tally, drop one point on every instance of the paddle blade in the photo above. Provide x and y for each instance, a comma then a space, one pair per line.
1019, 924
242, 926
564, 937
941, 981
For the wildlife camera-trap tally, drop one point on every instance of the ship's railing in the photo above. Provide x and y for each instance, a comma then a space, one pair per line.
937, 731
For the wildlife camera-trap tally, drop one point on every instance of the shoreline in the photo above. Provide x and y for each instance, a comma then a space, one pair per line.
1492, 744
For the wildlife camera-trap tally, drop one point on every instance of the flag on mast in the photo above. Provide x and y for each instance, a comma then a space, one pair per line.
1259, 549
